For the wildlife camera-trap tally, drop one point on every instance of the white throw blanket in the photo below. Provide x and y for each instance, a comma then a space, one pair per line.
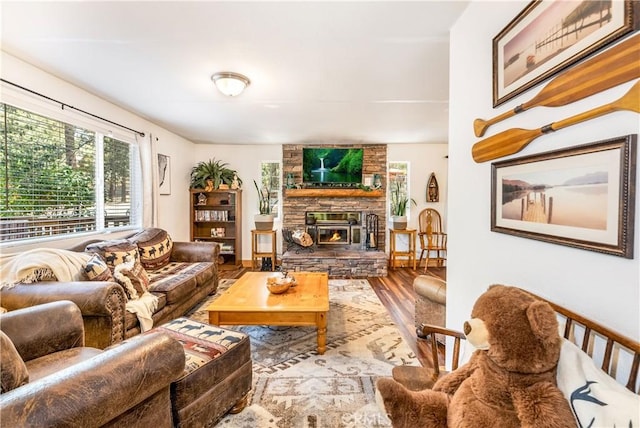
144, 307
33, 265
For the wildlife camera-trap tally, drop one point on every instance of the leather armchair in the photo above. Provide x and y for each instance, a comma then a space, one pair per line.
72, 385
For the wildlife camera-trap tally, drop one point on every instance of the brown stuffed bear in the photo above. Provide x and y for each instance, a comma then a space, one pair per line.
510, 380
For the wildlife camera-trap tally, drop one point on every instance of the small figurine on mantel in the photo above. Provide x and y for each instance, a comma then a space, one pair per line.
235, 184
209, 186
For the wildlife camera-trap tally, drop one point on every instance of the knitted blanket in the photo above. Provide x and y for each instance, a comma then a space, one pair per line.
42, 264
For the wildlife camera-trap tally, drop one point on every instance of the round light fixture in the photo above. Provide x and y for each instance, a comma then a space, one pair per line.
229, 83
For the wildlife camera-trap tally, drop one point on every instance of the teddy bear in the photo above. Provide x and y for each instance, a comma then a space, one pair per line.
509, 381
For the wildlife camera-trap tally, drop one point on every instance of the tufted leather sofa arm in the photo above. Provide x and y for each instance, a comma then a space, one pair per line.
102, 304
195, 252
104, 390
59, 327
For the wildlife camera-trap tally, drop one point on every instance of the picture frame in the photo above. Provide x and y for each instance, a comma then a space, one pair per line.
164, 174
537, 44
582, 197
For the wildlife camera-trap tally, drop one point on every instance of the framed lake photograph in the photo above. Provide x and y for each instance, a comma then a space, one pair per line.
582, 197
551, 35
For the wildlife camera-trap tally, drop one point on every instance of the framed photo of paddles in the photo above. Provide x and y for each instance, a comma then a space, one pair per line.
551, 35
582, 197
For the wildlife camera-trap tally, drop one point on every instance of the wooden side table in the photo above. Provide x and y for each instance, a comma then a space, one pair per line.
411, 251
255, 243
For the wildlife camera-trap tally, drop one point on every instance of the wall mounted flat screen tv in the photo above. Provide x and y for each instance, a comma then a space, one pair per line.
332, 165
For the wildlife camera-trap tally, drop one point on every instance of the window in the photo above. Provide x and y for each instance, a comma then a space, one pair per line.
270, 175
58, 179
399, 179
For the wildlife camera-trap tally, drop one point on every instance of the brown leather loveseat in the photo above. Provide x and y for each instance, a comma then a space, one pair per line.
181, 274
49, 378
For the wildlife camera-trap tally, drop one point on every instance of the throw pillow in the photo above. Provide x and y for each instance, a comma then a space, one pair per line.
154, 246
114, 252
133, 277
13, 371
97, 270
595, 397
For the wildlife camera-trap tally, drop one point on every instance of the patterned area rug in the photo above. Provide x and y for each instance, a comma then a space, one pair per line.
293, 386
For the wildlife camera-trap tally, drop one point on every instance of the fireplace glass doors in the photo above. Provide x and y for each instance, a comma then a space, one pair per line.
333, 235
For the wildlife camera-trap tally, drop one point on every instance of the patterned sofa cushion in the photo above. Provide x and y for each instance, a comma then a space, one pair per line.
212, 355
203, 272
97, 270
154, 246
114, 252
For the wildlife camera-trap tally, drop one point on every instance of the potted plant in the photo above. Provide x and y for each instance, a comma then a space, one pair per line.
399, 205
209, 175
263, 220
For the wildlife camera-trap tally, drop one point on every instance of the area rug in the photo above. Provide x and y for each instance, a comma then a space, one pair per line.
294, 386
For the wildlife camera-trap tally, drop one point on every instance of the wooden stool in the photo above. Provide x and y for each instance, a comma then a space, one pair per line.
256, 255
411, 251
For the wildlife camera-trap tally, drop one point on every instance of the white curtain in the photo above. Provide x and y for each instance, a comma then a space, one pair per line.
149, 166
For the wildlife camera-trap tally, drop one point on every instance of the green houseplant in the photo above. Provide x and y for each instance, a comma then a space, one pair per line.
263, 220
213, 171
399, 204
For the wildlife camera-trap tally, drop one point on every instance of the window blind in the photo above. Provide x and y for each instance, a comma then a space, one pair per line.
49, 171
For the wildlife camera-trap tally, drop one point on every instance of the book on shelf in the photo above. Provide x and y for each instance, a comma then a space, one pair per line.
211, 215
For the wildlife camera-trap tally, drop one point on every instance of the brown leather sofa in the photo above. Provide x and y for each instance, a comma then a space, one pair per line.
191, 276
54, 380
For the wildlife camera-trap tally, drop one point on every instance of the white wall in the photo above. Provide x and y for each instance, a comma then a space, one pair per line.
423, 160
602, 287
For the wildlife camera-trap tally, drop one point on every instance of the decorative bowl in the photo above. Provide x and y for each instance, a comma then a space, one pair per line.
279, 285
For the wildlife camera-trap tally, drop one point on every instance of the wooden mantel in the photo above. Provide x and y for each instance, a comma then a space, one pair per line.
333, 193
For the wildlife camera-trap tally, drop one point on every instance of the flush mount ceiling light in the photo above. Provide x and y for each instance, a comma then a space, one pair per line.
230, 84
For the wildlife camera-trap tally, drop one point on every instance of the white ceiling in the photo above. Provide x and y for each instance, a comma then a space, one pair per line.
365, 71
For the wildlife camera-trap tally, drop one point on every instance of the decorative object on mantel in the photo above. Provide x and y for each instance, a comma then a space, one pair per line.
399, 205
611, 68
263, 220
291, 183
513, 140
377, 181
215, 171
433, 191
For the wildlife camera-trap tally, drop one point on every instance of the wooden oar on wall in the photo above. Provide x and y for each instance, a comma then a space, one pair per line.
617, 65
513, 140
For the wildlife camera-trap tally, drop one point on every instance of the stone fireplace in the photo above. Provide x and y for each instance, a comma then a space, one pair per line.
337, 216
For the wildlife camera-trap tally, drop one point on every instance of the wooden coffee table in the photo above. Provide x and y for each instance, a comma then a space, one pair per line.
249, 302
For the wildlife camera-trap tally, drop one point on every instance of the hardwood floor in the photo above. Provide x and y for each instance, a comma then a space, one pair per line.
395, 291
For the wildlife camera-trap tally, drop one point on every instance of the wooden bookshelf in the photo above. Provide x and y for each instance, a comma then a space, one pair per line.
216, 216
